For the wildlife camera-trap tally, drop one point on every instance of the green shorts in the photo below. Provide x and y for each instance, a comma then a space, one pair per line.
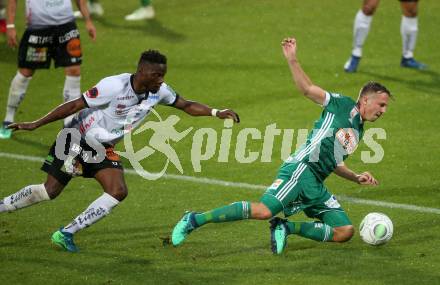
297, 189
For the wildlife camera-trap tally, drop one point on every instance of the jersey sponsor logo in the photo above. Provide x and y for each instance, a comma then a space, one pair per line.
73, 34
276, 184
36, 54
86, 125
348, 139
74, 47
92, 93
127, 97
34, 39
53, 3
335, 95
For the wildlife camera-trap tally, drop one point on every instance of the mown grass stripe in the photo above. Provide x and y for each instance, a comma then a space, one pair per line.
210, 181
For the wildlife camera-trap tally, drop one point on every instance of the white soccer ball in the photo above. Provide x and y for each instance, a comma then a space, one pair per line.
376, 229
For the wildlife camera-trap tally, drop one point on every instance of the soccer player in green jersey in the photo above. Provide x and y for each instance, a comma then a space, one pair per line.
299, 182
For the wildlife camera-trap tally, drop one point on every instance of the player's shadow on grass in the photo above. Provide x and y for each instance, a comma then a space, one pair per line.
131, 233
151, 27
431, 87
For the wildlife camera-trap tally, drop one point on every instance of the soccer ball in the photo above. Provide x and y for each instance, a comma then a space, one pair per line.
376, 229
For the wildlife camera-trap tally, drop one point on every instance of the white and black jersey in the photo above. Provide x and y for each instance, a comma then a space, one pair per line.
44, 13
115, 109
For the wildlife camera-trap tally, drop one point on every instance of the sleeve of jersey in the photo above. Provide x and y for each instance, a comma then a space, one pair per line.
336, 102
101, 94
167, 95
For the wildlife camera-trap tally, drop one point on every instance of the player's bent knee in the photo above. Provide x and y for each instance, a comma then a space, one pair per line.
410, 14
343, 234
53, 188
369, 10
119, 193
26, 72
74, 70
261, 212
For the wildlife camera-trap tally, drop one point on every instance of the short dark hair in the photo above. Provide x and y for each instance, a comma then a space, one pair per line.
153, 56
374, 87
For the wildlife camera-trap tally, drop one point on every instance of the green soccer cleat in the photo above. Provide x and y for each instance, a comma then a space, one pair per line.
64, 240
278, 235
183, 228
4, 132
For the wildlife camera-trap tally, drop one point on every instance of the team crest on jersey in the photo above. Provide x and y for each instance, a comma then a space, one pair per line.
276, 184
92, 93
348, 139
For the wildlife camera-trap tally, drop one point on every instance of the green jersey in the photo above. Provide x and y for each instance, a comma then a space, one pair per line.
335, 135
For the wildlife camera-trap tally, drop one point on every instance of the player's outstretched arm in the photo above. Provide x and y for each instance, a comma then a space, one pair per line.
197, 109
364, 178
60, 112
82, 6
302, 81
11, 31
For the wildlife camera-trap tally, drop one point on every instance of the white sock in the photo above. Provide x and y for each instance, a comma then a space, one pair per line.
17, 92
408, 30
27, 196
72, 90
361, 28
100, 208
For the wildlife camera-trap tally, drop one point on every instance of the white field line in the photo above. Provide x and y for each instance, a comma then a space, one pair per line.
203, 180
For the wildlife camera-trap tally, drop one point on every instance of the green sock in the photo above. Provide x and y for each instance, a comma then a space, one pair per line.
145, 3
311, 230
233, 212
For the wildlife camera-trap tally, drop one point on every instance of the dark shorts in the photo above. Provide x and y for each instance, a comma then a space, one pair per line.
78, 159
60, 43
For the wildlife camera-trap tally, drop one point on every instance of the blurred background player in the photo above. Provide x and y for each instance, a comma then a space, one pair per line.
2, 17
145, 12
51, 33
408, 30
95, 9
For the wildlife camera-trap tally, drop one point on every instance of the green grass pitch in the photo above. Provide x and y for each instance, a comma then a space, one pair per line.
227, 54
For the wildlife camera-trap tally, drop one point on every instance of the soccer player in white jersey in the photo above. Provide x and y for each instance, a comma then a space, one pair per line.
115, 106
51, 33
408, 30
